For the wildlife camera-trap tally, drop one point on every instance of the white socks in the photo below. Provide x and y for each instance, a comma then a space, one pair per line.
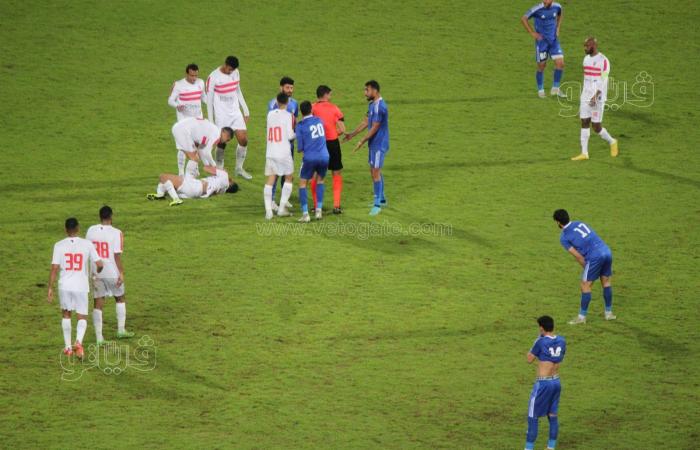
286, 193
220, 157
181, 158
66, 325
606, 136
267, 196
81, 329
585, 135
121, 316
241, 152
97, 322
168, 186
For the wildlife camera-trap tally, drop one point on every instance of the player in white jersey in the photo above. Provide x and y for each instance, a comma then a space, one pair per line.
109, 244
224, 104
278, 159
195, 138
596, 69
189, 186
187, 95
72, 256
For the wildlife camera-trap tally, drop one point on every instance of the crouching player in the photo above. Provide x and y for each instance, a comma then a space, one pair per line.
189, 186
311, 142
195, 139
549, 350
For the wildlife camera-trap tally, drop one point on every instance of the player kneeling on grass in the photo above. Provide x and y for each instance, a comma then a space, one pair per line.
109, 243
278, 159
189, 186
311, 143
71, 256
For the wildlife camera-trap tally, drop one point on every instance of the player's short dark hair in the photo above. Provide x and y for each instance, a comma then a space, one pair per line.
286, 80
232, 62
105, 212
192, 66
71, 224
561, 216
373, 84
305, 108
233, 188
322, 90
546, 322
229, 130
282, 98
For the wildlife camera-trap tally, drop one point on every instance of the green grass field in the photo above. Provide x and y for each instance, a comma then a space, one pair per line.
408, 330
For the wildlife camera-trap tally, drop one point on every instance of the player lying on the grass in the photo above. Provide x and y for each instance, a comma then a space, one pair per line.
109, 244
595, 257
278, 159
311, 143
548, 350
195, 139
596, 69
377, 122
548, 16
189, 186
71, 256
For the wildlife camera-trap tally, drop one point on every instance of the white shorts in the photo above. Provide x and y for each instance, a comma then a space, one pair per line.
595, 113
183, 140
279, 166
107, 287
74, 301
235, 121
190, 187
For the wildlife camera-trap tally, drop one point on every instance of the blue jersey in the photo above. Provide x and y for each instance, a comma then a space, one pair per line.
292, 106
581, 237
545, 19
311, 139
549, 348
378, 113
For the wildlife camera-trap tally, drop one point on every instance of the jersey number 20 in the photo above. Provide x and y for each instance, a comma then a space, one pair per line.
317, 131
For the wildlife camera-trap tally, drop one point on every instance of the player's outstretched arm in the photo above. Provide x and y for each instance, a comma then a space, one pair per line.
210, 169
360, 127
368, 136
52, 280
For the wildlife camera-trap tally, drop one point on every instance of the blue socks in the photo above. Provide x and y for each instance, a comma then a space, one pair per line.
607, 295
557, 77
532, 423
539, 76
303, 200
553, 431
585, 300
319, 195
377, 193
383, 200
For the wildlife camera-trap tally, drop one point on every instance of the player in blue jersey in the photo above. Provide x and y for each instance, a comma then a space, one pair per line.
594, 256
377, 121
287, 88
311, 143
547, 17
548, 350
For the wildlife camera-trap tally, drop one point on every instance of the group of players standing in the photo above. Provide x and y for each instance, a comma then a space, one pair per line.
317, 133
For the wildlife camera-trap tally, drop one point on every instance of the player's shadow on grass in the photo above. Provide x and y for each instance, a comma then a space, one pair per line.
657, 343
442, 165
629, 165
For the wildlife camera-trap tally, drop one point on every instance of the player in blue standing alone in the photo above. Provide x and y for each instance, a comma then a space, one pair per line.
377, 122
548, 17
311, 143
595, 257
548, 350
287, 88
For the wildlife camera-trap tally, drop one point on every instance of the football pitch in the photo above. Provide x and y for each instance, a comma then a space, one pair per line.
405, 330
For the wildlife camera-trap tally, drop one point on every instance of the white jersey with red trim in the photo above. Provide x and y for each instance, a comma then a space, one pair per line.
201, 132
224, 96
279, 133
595, 77
73, 255
108, 241
216, 184
188, 95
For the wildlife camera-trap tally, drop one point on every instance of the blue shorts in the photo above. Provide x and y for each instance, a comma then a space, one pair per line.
545, 49
376, 159
308, 167
544, 398
598, 265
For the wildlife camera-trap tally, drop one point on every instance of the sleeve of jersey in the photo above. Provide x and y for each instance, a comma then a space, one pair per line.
606, 69
338, 114
172, 100
242, 102
300, 139
530, 12
535, 350
209, 98
119, 243
56, 258
93, 254
290, 129
564, 242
